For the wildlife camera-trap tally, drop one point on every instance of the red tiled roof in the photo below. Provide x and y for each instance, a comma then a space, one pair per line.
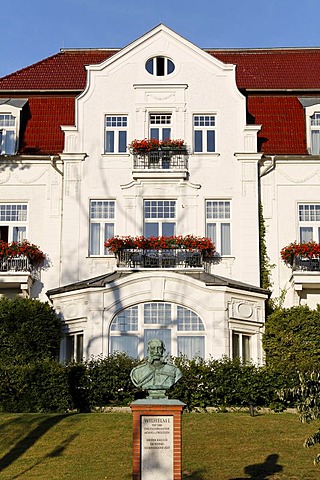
40, 131
283, 124
274, 68
256, 69
63, 71
282, 117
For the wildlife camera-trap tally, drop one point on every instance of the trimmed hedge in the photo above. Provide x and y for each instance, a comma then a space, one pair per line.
41, 386
47, 386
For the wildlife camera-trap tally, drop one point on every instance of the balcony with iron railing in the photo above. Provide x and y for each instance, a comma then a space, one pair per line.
161, 252
153, 158
306, 264
304, 260
171, 258
161, 163
20, 265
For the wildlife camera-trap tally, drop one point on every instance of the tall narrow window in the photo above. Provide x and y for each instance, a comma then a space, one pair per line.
204, 133
7, 134
218, 224
159, 218
13, 222
74, 347
309, 222
315, 133
102, 216
160, 126
241, 347
116, 133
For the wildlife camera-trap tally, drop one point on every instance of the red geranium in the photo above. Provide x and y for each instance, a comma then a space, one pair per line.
189, 242
305, 250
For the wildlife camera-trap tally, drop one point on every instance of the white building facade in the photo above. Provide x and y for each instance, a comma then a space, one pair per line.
70, 201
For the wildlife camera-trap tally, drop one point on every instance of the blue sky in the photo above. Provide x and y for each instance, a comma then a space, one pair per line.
35, 29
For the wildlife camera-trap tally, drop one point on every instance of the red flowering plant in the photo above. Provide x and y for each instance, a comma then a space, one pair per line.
189, 242
175, 144
147, 145
22, 249
305, 250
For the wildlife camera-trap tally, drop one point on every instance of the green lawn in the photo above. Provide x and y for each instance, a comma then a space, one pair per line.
231, 446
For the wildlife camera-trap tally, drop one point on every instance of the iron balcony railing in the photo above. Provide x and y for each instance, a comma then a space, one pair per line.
15, 265
306, 264
170, 258
161, 160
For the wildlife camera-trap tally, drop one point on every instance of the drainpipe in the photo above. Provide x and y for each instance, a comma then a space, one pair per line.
54, 166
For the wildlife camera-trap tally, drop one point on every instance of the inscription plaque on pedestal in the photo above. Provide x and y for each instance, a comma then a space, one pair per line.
156, 447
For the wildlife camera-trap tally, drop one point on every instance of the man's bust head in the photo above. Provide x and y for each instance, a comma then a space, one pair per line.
157, 373
156, 350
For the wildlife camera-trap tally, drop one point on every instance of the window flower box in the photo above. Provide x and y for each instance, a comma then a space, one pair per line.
307, 250
25, 249
188, 242
147, 145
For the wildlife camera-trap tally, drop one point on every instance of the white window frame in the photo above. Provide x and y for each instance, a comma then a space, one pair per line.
206, 123
310, 111
14, 219
154, 67
159, 125
152, 209
105, 225
7, 109
309, 218
245, 357
217, 223
117, 125
157, 319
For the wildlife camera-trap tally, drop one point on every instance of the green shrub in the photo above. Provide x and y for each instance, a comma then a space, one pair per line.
292, 340
226, 383
29, 330
41, 386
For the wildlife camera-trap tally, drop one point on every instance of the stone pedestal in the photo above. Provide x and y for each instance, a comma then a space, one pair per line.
156, 439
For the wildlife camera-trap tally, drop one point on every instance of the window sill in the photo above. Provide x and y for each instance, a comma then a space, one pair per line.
116, 154
207, 154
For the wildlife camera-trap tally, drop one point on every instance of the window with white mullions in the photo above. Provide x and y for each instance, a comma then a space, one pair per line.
159, 218
218, 224
102, 216
7, 134
116, 133
13, 222
179, 328
241, 347
160, 126
204, 127
160, 66
74, 347
315, 133
309, 222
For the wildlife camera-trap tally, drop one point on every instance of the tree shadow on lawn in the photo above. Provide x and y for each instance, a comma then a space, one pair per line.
262, 471
29, 440
196, 475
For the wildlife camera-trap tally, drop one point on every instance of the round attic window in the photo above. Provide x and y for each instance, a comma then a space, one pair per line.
160, 66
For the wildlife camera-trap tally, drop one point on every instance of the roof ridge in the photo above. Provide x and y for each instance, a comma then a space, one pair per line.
256, 50
84, 49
